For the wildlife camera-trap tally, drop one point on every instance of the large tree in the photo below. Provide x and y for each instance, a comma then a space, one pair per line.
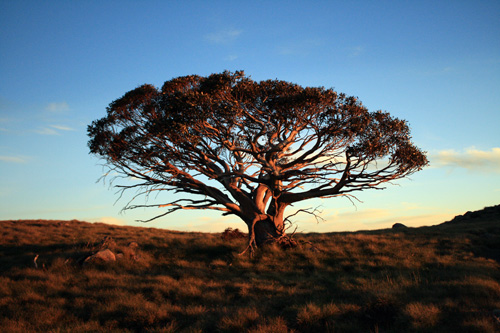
251, 149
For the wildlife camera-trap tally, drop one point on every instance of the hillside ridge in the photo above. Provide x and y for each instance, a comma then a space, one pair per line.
487, 213
491, 212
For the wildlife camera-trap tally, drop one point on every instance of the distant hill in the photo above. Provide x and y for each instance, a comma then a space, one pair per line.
74, 276
481, 228
491, 213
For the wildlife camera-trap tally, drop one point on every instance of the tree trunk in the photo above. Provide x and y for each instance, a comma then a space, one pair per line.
265, 231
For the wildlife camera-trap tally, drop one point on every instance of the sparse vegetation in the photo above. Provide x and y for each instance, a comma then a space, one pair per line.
442, 278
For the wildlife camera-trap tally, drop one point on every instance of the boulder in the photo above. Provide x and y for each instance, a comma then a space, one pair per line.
101, 256
133, 245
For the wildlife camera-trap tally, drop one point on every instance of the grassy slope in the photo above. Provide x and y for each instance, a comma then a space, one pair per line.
441, 278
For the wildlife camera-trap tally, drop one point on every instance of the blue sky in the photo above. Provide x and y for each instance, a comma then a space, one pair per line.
434, 63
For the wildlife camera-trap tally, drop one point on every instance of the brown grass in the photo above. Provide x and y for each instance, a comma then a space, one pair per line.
443, 278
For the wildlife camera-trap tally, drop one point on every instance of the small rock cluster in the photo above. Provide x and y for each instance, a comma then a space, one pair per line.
104, 254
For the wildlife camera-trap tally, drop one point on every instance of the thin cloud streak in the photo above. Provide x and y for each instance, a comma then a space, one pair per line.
299, 47
47, 131
355, 51
57, 107
472, 159
62, 128
223, 36
53, 130
14, 159
231, 57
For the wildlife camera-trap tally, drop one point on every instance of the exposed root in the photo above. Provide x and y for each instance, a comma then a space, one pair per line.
286, 242
252, 247
252, 243
279, 237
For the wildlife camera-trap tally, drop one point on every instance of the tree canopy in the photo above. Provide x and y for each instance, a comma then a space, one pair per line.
228, 143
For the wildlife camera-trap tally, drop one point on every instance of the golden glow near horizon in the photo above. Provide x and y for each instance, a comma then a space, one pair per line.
62, 65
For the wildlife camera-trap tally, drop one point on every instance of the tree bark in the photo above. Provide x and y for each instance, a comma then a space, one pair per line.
265, 231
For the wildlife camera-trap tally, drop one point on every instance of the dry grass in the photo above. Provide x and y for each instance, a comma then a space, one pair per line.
443, 278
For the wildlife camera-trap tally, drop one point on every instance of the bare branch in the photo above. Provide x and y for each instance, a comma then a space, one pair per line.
248, 148
314, 212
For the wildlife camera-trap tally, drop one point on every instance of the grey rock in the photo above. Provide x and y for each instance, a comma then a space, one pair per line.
101, 256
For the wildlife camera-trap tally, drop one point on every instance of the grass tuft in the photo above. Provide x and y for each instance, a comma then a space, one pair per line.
442, 278
423, 315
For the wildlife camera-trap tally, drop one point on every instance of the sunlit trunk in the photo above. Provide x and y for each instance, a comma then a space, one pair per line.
266, 231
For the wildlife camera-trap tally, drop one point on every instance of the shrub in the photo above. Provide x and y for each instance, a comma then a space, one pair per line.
230, 234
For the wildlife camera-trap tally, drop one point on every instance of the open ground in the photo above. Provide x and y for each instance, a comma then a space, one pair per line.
440, 278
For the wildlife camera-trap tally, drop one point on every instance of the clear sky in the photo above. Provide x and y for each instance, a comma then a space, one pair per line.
434, 63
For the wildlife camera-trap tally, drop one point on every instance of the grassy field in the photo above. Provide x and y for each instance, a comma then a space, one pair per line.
443, 278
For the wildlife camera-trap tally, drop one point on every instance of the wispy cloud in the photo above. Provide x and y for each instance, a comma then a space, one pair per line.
355, 51
14, 159
231, 57
53, 130
62, 128
57, 107
471, 159
299, 47
108, 220
46, 131
223, 36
